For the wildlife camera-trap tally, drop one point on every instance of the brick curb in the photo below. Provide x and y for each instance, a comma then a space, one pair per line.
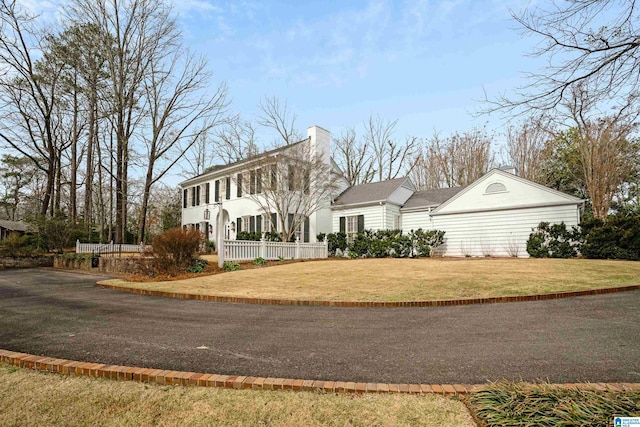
166, 377
430, 303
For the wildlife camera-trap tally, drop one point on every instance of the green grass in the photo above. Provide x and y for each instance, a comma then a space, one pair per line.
30, 398
407, 279
518, 404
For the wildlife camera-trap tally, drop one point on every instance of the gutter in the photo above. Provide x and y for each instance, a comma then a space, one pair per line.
538, 205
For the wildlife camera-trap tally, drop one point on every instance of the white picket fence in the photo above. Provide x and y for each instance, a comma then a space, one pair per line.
247, 250
108, 248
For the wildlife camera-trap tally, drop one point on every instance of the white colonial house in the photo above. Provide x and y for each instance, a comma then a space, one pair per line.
231, 191
492, 216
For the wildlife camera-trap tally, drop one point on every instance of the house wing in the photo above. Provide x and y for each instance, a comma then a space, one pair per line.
502, 190
394, 190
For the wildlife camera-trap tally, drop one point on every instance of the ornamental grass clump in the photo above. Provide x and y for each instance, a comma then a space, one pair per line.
521, 404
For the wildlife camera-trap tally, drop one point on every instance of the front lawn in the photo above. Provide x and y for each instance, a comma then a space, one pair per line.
41, 399
391, 279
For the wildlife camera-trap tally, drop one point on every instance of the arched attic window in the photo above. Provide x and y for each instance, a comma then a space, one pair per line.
496, 187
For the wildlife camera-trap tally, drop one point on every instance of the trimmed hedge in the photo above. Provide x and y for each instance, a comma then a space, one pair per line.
385, 243
618, 238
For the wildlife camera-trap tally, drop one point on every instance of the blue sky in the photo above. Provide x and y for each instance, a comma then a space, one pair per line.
425, 63
422, 62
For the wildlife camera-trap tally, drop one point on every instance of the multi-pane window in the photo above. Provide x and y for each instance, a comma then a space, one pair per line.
352, 227
252, 182
223, 191
259, 181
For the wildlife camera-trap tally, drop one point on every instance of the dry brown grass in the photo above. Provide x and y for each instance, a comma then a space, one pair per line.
29, 399
408, 279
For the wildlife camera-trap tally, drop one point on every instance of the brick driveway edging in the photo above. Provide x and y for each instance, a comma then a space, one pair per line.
182, 378
430, 303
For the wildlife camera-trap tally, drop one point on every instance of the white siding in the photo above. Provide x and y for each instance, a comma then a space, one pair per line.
519, 192
373, 217
416, 220
391, 211
497, 233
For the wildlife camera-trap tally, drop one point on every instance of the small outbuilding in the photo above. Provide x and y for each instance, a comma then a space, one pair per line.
8, 227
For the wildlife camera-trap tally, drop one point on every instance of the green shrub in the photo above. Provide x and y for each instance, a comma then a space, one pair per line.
75, 256
210, 246
384, 243
280, 258
618, 238
248, 235
198, 266
554, 241
334, 241
424, 242
15, 245
231, 266
259, 261
175, 250
272, 236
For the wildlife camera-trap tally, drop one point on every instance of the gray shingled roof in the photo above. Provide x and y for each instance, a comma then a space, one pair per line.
431, 198
372, 192
14, 225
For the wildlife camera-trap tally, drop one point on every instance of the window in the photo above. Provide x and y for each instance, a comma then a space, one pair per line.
397, 224
351, 225
292, 178
198, 195
306, 182
252, 182
193, 196
246, 223
239, 185
216, 197
496, 187
185, 197
274, 177
227, 191
259, 181
223, 190
207, 193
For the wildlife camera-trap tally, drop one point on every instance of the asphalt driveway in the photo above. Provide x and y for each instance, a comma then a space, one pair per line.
61, 314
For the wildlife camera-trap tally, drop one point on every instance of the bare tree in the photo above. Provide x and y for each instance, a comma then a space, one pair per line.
178, 116
141, 32
235, 141
590, 42
293, 184
354, 157
426, 174
525, 147
28, 94
276, 115
461, 158
607, 154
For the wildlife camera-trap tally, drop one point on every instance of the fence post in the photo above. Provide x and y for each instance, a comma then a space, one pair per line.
326, 247
263, 248
78, 246
111, 248
297, 248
